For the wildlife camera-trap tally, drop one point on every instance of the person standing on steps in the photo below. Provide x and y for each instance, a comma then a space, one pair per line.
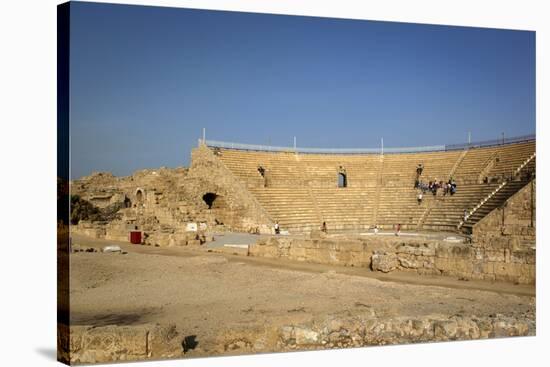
277, 230
418, 174
262, 172
397, 229
453, 187
324, 227
419, 169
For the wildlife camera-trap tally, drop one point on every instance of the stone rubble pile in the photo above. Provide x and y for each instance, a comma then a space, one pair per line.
171, 207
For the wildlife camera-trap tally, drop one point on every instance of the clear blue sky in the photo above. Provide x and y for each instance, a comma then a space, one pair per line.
146, 80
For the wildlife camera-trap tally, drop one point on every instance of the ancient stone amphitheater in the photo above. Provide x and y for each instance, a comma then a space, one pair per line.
244, 188
358, 191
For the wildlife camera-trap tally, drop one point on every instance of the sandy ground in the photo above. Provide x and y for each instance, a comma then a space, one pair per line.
206, 293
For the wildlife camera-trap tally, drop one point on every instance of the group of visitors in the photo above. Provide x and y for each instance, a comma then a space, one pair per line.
435, 185
432, 186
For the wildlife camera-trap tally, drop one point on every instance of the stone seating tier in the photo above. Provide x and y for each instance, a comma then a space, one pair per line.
300, 191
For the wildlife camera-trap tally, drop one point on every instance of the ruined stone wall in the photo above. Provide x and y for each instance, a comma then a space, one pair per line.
151, 201
321, 251
336, 331
163, 202
468, 261
242, 211
358, 332
85, 344
513, 224
144, 188
102, 344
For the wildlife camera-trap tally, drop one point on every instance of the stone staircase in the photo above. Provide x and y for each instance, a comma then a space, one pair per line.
498, 196
312, 197
437, 201
529, 162
492, 201
458, 162
487, 167
379, 185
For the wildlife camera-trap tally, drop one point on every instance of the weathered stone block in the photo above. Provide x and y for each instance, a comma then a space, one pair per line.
297, 254
445, 330
120, 343
317, 234
305, 336
384, 262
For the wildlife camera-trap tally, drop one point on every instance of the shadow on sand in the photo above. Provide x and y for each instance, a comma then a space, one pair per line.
48, 353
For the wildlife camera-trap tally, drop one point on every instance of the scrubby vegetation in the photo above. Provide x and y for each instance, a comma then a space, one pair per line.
84, 210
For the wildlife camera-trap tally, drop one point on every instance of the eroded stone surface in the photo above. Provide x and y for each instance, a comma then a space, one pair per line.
512, 225
162, 203
88, 344
337, 332
487, 261
384, 261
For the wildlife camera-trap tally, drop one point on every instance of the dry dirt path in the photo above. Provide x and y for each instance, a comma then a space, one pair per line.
207, 294
397, 276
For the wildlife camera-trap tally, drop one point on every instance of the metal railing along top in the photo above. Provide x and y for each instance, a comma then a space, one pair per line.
491, 143
380, 150
269, 148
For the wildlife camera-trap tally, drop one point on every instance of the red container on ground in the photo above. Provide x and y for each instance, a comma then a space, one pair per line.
135, 237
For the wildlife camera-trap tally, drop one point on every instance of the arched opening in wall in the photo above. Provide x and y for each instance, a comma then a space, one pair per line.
139, 196
342, 180
211, 200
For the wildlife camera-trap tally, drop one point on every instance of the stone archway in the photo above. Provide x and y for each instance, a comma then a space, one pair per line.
342, 177
211, 199
139, 196
342, 180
